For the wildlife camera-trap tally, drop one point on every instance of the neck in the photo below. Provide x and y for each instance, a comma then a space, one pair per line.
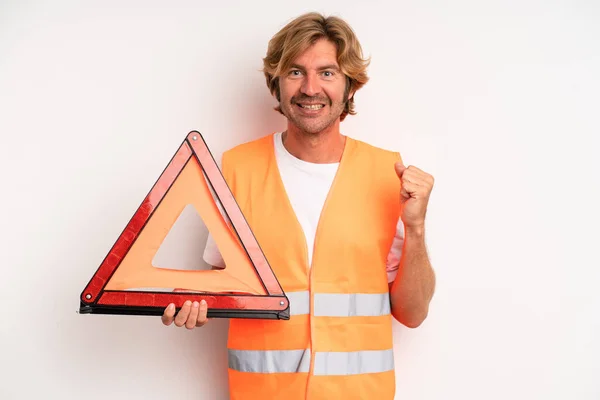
324, 147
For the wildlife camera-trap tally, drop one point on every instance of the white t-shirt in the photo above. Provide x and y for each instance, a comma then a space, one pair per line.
307, 185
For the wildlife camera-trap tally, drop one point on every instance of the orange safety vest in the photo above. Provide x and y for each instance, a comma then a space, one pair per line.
337, 343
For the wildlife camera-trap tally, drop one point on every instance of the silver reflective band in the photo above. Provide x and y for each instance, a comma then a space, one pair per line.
351, 305
358, 362
269, 361
299, 302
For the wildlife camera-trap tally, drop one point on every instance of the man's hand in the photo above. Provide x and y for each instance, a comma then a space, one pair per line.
191, 315
414, 195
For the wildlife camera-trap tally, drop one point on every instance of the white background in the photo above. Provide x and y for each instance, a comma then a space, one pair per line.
499, 100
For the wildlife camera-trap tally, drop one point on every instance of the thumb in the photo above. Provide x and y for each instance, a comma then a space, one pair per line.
400, 168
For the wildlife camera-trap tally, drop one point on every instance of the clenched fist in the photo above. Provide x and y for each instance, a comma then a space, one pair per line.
416, 186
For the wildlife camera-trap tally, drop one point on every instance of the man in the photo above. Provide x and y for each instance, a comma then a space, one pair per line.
341, 223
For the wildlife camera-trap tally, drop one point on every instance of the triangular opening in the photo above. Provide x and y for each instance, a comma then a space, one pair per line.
183, 247
158, 258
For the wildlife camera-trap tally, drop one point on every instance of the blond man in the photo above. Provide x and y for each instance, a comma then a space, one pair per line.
341, 222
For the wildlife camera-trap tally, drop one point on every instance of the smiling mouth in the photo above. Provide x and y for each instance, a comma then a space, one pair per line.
311, 106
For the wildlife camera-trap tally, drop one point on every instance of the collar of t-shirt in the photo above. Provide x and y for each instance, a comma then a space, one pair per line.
285, 157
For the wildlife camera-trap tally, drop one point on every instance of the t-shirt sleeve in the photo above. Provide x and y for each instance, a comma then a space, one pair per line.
393, 259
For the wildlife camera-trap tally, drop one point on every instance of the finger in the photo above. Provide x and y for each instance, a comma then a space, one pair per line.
400, 168
418, 176
190, 323
412, 175
424, 182
404, 195
203, 310
167, 317
409, 188
183, 314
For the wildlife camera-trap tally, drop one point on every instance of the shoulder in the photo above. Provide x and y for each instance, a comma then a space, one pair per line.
247, 159
248, 148
378, 165
245, 153
373, 152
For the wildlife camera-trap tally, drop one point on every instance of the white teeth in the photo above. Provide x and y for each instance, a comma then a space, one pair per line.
312, 106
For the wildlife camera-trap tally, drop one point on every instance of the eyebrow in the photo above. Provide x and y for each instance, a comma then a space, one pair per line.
328, 66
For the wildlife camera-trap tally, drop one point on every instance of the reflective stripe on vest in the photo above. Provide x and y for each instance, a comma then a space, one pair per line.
340, 304
299, 302
355, 362
351, 305
269, 361
326, 363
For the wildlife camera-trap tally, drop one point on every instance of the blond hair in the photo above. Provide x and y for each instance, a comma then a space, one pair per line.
299, 34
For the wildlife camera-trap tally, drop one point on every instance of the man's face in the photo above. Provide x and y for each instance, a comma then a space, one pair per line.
312, 90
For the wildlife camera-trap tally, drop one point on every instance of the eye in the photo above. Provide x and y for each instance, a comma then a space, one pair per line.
328, 74
295, 72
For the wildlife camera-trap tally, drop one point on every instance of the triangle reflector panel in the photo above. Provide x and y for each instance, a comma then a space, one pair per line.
126, 282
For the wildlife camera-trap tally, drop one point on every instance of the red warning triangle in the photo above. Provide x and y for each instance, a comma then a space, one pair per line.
126, 282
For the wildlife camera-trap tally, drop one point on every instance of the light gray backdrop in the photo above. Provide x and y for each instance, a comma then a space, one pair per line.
497, 99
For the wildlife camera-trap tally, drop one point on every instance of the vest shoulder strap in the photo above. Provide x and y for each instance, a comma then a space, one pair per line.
246, 158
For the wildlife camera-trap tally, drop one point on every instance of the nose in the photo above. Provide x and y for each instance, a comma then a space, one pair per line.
310, 85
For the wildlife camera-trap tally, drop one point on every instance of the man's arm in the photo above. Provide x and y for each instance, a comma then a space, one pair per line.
414, 285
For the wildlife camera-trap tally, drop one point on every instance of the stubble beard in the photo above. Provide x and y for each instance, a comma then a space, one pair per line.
308, 125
